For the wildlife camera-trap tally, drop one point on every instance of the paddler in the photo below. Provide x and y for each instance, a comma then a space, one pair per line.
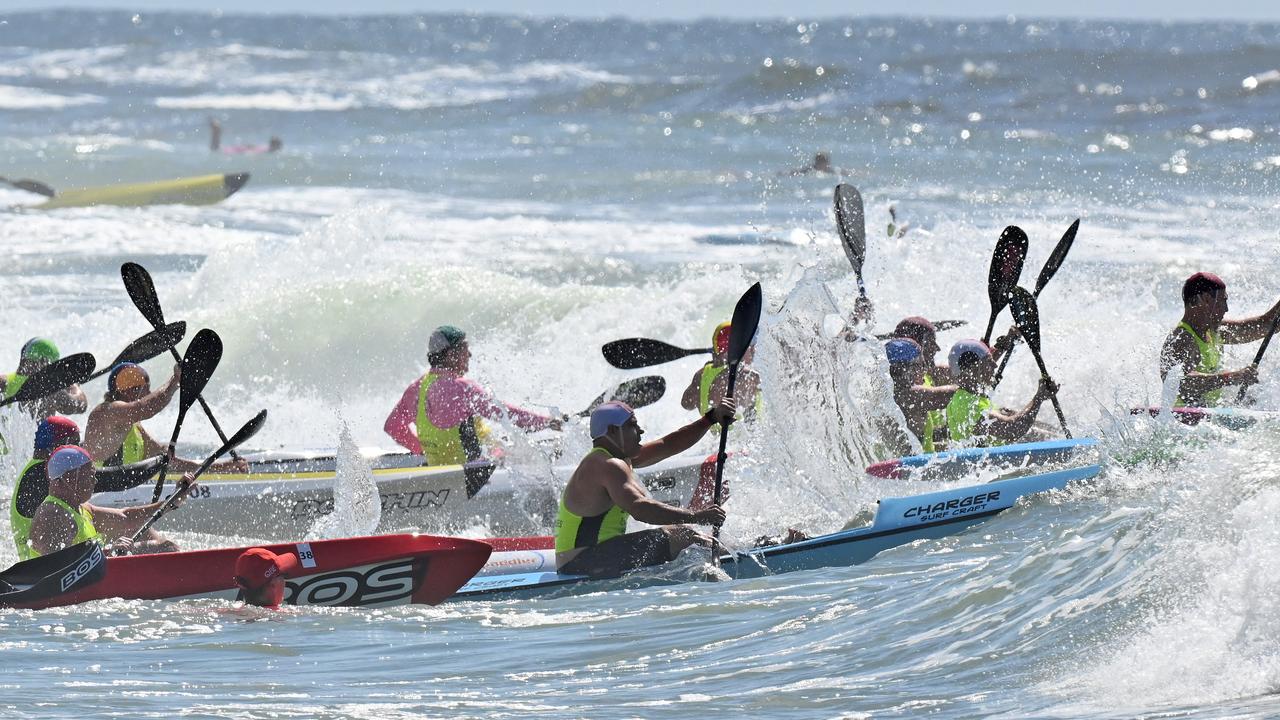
602, 493
1196, 343
709, 383
260, 574
66, 518
921, 404
440, 415
33, 482
114, 434
972, 419
37, 354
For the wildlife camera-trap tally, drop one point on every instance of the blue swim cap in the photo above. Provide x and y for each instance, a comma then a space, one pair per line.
607, 415
901, 350
65, 459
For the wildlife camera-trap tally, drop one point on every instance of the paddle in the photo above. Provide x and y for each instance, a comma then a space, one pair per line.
852, 224
31, 186
244, 433
637, 392
1006, 267
1027, 316
203, 355
142, 291
1047, 272
59, 374
635, 353
1262, 349
746, 318
148, 346
938, 326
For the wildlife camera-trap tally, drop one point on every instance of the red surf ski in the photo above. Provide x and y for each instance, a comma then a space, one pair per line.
362, 571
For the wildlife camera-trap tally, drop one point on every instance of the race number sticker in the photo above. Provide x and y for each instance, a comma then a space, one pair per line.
304, 555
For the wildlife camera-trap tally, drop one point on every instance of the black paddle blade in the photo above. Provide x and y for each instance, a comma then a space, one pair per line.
149, 346
57, 375
940, 325
1056, 257
635, 353
201, 359
142, 291
1006, 266
641, 391
746, 318
1025, 313
852, 224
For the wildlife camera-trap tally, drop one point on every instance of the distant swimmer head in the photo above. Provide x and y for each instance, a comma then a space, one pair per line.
720, 338
447, 348
128, 382
968, 357
38, 352
55, 431
822, 161
274, 144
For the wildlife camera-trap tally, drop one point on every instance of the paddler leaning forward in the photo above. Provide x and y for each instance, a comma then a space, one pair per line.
66, 518
32, 486
1196, 343
114, 434
591, 530
440, 415
921, 403
972, 419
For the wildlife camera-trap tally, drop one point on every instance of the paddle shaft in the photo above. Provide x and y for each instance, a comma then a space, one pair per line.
1262, 350
1057, 407
721, 456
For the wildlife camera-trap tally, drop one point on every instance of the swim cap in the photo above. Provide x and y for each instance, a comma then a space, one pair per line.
901, 350
720, 337
444, 338
607, 415
40, 349
1201, 283
55, 431
258, 566
966, 354
126, 376
65, 459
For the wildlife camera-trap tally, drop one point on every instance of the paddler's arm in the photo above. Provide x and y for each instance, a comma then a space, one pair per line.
1247, 330
404, 416
148, 406
1181, 350
924, 397
1004, 343
1013, 426
71, 401
627, 494
469, 394
686, 437
689, 399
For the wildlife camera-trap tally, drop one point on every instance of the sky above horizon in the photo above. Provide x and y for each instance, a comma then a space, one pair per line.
1247, 10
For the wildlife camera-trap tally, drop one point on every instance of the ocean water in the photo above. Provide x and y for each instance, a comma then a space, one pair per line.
553, 184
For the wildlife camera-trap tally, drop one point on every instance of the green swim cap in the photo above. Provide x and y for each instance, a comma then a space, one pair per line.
444, 338
40, 349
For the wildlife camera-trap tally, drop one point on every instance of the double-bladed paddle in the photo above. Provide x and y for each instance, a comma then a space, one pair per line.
1006, 267
1047, 272
1027, 316
148, 346
636, 392
635, 353
202, 358
746, 318
244, 433
1262, 350
852, 224
142, 291
57, 375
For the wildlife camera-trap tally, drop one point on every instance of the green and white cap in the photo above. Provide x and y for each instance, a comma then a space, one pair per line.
40, 349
